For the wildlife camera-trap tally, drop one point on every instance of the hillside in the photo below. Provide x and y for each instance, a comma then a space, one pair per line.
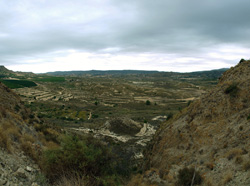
18, 139
5, 71
211, 136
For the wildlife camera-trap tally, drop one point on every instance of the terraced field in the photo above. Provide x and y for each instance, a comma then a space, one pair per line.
91, 100
31, 94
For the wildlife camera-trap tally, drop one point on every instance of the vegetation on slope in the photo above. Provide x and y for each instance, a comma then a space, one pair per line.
61, 156
48, 79
66, 157
210, 136
84, 158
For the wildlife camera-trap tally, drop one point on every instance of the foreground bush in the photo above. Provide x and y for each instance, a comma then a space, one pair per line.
78, 157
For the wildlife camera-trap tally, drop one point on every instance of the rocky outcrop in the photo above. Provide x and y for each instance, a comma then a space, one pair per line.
211, 135
123, 126
17, 170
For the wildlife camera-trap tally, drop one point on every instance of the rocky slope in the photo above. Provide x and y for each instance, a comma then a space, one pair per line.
212, 135
17, 139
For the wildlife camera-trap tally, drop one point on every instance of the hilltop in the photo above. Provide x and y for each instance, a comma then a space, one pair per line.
5, 71
210, 136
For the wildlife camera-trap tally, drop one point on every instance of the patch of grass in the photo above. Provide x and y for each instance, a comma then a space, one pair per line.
246, 166
233, 153
227, 178
188, 176
70, 180
29, 149
8, 133
238, 160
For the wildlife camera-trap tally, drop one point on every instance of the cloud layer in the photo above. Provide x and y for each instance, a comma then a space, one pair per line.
95, 34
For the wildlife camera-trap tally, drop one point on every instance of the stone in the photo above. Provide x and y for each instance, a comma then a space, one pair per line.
34, 184
20, 173
29, 169
3, 182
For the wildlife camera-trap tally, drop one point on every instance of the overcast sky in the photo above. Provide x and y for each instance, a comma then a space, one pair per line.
165, 35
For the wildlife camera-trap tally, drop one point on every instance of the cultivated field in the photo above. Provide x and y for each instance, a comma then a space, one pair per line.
95, 99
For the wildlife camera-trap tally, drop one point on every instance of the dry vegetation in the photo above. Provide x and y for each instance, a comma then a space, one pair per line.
140, 98
88, 102
212, 134
58, 155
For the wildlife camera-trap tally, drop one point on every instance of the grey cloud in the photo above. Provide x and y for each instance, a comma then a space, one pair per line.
162, 26
192, 21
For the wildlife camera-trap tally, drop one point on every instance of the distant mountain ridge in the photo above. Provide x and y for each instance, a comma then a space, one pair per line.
100, 72
211, 73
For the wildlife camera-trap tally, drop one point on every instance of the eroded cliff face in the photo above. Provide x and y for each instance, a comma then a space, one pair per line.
212, 135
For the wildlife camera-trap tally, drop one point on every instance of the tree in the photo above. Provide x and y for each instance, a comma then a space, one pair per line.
148, 102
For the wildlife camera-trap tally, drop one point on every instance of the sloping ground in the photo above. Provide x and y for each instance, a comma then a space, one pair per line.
5, 71
212, 135
17, 138
131, 135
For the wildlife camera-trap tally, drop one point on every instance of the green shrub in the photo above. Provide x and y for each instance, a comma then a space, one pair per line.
148, 102
78, 157
17, 108
186, 175
95, 116
170, 115
248, 117
242, 60
232, 90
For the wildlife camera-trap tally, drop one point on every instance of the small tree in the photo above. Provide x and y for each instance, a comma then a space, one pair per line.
148, 102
